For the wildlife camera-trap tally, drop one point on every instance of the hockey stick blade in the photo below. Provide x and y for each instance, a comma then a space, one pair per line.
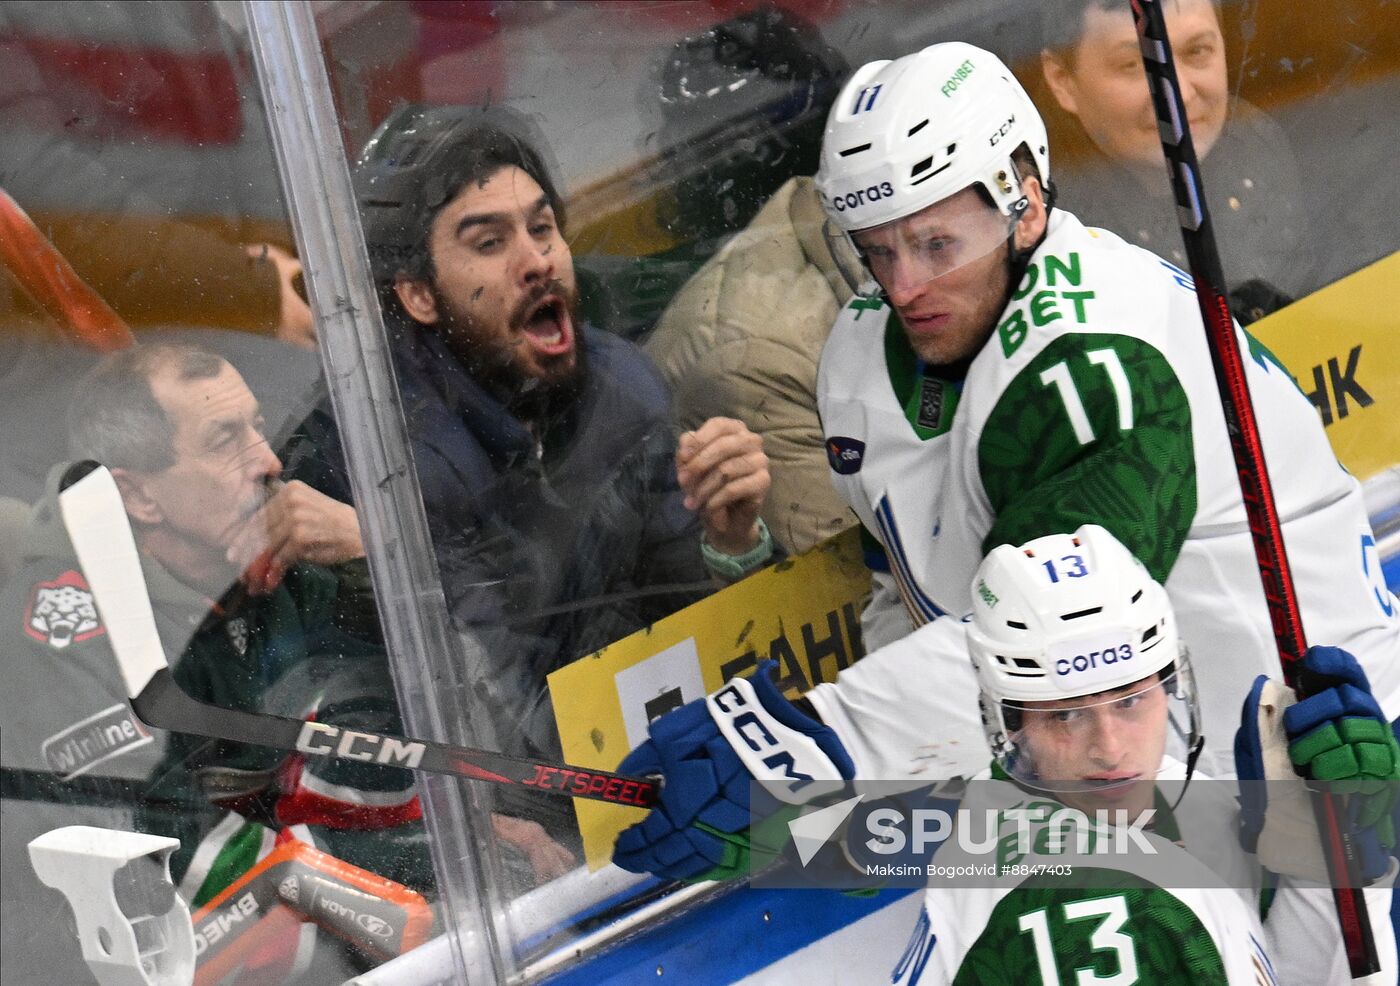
97, 525
1246, 444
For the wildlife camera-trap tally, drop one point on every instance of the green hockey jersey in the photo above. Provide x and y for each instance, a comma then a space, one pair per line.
1180, 905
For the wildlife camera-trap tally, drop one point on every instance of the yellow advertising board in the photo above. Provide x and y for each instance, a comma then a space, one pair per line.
803, 613
1342, 345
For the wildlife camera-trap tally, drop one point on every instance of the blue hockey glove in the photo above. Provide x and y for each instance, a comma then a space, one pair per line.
1337, 735
707, 753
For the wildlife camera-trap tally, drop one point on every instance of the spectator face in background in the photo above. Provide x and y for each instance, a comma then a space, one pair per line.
501, 285
198, 466
1098, 77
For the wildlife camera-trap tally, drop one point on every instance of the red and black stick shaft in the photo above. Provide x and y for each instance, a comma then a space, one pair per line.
1203, 258
164, 704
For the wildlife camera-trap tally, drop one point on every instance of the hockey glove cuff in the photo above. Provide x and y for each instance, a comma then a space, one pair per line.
1276, 818
707, 753
1338, 736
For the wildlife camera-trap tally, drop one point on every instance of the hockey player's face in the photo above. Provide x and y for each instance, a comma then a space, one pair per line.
220, 477
1100, 80
944, 271
502, 290
1101, 752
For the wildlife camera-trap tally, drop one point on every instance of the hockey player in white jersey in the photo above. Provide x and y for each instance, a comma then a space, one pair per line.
1006, 373
1010, 373
1089, 702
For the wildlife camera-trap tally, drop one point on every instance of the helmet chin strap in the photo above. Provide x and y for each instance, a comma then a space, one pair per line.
1191, 759
1194, 753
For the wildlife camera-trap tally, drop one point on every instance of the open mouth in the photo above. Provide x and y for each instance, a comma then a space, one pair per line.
548, 328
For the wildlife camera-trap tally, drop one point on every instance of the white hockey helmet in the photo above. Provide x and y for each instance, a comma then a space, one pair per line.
1040, 610
907, 133
1071, 616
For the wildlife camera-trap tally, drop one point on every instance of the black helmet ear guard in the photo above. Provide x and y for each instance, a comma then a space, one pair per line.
1168, 678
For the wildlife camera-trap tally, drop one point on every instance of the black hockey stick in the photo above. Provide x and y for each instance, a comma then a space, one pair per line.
1203, 258
97, 524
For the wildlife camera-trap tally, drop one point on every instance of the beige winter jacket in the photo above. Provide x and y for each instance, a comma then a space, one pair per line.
742, 340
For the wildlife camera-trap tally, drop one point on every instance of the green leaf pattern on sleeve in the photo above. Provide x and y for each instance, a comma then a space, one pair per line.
1095, 429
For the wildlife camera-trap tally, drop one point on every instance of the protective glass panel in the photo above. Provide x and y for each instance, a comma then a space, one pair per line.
153, 317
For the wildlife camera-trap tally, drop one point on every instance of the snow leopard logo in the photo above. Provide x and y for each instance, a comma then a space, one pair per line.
61, 612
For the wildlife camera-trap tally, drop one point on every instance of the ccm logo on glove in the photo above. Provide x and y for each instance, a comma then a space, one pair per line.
789, 760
